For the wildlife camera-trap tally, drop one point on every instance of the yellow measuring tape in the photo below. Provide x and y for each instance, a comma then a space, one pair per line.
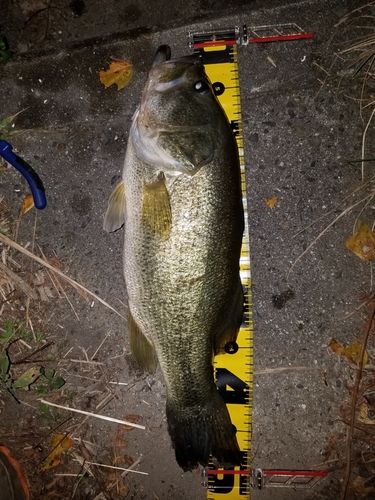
234, 370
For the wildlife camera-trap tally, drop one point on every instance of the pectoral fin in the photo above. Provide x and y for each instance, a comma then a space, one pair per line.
191, 149
156, 209
115, 215
141, 347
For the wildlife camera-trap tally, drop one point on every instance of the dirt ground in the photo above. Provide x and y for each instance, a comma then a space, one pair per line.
301, 123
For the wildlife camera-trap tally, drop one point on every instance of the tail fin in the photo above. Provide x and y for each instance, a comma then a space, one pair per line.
199, 431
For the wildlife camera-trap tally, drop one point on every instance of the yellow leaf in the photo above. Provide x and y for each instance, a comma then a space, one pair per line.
120, 73
364, 415
59, 443
362, 243
27, 204
271, 203
27, 378
351, 353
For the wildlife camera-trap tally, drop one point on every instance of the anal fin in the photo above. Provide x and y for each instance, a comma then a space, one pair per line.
142, 349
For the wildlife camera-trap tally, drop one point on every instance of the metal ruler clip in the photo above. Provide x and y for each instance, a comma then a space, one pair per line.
244, 35
259, 478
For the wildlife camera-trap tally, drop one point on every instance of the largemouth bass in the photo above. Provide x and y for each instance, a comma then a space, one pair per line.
180, 199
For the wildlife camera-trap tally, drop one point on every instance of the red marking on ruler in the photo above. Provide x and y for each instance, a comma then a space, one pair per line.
260, 39
280, 38
303, 473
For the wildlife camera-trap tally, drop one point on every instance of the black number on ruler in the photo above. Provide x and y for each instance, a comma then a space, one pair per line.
238, 393
218, 88
226, 484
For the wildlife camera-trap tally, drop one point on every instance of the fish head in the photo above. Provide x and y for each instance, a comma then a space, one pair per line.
176, 122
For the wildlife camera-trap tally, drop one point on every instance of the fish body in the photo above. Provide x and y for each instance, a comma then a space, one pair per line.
180, 199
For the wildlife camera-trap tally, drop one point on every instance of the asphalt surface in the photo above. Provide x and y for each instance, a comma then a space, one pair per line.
298, 135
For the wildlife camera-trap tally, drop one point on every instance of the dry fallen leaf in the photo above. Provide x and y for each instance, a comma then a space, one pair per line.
351, 353
27, 204
364, 416
362, 243
120, 72
59, 443
271, 203
27, 378
359, 484
129, 418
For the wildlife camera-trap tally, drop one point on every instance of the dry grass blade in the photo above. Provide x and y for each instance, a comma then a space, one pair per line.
95, 415
358, 9
18, 281
128, 469
347, 210
7, 241
354, 403
281, 369
333, 210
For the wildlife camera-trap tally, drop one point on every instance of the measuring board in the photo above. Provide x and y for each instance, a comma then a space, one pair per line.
233, 370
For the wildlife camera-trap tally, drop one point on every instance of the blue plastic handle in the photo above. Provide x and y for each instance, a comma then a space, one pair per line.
35, 183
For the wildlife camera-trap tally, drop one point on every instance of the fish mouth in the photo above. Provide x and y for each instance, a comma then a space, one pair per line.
164, 54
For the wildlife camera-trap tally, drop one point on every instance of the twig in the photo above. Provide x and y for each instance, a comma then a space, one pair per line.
102, 417
101, 404
84, 361
60, 361
365, 303
26, 358
354, 403
96, 352
131, 467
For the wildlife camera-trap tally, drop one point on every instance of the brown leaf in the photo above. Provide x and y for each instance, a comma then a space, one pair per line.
362, 243
336, 347
59, 443
27, 204
133, 419
122, 460
359, 484
120, 72
271, 202
351, 352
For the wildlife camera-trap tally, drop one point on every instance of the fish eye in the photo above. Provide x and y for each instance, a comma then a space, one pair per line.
201, 86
